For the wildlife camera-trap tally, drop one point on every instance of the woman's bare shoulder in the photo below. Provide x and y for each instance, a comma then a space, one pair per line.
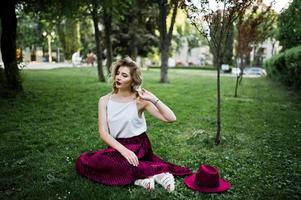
104, 98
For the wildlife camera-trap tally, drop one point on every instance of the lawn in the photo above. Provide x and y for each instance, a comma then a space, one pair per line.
44, 130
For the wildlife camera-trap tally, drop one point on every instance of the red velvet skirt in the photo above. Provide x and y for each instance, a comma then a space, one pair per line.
109, 167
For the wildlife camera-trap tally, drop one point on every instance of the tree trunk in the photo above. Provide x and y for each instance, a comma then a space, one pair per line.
247, 59
134, 50
165, 37
236, 86
8, 46
133, 40
163, 40
240, 78
164, 65
228, 49
108, 32
97, 35
240, 75
218, 112
242, 67
254, 55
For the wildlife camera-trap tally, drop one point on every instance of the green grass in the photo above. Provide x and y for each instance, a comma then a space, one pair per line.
45, 129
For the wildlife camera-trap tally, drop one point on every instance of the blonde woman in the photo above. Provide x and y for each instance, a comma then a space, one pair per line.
129, 158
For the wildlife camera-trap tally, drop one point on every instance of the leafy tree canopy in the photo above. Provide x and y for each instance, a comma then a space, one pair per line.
289, 26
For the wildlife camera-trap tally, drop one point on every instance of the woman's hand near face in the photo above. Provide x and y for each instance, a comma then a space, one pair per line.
157, 108
147, 96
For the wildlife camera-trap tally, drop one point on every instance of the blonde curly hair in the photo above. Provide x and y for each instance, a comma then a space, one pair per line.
135, 72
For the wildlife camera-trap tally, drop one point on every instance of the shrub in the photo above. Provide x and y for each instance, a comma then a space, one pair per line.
293, 64
286, 67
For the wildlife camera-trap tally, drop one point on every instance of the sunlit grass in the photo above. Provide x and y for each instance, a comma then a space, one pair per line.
45, 129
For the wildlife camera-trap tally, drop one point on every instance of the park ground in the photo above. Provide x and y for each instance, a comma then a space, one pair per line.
46, 128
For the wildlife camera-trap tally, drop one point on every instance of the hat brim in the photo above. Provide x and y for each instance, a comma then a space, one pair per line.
223, 185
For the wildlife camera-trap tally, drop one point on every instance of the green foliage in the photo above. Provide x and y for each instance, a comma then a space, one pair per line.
29, 31
289, 24
275, 65
227, 39
59, 17
253, 28
51, 9
286, 67
87, 37
188, 33
44, 130
72, 37
135, 30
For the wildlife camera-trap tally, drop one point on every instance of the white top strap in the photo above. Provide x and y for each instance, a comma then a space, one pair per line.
123, 119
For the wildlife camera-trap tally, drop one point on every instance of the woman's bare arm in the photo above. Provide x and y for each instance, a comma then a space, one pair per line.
157, 108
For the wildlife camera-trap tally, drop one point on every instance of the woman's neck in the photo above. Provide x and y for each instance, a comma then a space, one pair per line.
124, 93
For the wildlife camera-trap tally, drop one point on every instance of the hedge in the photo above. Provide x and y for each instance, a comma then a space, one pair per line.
286, 67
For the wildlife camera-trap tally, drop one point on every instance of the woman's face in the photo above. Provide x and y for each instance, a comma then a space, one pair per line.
123, 79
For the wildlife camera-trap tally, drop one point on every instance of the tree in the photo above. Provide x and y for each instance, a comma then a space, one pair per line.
252, 28
228, 55
227, 45
94, 9
107, 21
56, 17
103, 12
203, 16
87, 36
8, 40
112, 12
69, 9
289, 26
266, 31
134, 32
165, 36
8, 46
71, 29
29, 32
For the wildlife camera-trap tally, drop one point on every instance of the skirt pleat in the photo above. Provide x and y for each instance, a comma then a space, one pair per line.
109, 167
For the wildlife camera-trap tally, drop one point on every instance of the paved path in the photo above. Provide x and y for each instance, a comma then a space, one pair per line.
45, 65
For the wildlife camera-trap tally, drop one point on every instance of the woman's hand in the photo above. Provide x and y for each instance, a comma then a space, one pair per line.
157, 108
148, 96
130, 157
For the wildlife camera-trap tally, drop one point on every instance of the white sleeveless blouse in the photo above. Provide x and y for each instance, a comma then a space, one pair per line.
123, 119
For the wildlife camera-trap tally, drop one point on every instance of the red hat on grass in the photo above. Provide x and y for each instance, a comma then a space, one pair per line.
207, 179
